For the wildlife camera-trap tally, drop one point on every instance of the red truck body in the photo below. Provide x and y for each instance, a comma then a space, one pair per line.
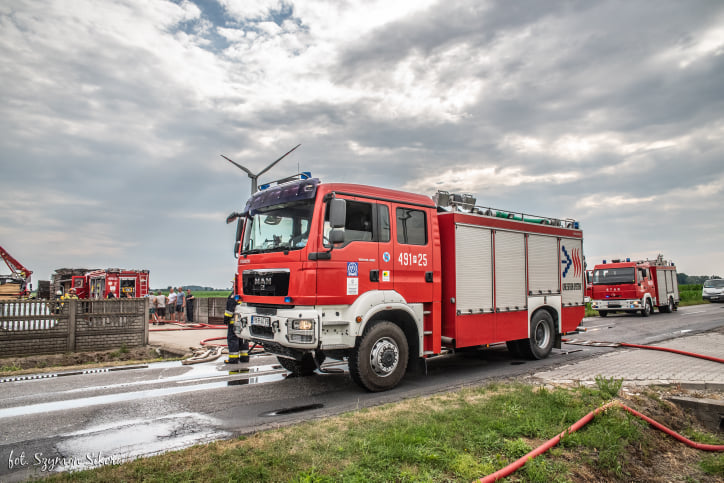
402, 276
97, 284
634, 286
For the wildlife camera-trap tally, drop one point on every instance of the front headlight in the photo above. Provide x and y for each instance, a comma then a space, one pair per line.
302, 324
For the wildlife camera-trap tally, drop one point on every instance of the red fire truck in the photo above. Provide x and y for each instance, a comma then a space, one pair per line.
97, 284
381, 278
635, 286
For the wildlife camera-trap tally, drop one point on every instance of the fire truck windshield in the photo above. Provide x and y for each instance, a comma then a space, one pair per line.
614, 276
278, 228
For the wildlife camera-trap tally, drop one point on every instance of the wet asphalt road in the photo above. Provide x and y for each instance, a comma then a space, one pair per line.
81, 420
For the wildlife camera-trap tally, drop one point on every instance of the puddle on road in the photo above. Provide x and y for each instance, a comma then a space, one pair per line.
132, 396
293, 410
257, 379
125, 441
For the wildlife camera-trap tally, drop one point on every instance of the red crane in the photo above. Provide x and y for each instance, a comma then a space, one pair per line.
15, 284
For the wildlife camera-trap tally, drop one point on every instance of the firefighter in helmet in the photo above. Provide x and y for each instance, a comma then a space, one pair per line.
238, 348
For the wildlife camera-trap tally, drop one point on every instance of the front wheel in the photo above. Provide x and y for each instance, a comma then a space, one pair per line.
646, 311
379, 360
542, 336
670, 306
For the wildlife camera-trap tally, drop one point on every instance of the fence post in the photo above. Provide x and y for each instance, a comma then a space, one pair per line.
146, 308
71, 323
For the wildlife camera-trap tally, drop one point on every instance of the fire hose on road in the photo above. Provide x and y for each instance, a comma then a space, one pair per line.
210, 350
638, 346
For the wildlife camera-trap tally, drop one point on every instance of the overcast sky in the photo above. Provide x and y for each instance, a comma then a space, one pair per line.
113, 117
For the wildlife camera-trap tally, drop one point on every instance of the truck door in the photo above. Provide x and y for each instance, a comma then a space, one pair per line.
412, 260
353, 267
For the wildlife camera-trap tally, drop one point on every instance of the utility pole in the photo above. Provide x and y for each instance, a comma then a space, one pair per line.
253, 176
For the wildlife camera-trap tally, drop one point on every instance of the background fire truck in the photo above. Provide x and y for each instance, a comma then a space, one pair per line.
635, 286
97, 284
381, 278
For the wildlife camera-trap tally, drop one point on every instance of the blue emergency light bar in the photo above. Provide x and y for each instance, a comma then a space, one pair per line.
295, 177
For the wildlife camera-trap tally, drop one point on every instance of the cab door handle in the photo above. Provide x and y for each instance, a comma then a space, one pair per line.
428, 277
374, 275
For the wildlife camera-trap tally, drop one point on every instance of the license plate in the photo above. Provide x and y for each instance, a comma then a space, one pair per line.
261, 321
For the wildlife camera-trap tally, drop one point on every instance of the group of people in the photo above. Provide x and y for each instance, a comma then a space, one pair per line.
180, 305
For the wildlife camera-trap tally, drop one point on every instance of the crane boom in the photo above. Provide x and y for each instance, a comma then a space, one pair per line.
16, 267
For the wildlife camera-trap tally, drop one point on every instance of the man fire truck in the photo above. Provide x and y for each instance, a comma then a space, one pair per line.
381, 278
634, 286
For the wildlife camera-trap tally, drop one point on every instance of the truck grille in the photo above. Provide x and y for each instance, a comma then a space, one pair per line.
267, 283
265, 332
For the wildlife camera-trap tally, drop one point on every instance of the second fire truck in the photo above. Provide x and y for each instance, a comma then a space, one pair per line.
98, 284
634, 286
381, 278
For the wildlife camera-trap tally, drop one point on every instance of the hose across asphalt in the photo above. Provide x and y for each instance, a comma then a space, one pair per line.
653, 348
516, 465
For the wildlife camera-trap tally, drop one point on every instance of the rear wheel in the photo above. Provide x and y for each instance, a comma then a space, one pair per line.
646, 311
379, 360
670, 305
542, 335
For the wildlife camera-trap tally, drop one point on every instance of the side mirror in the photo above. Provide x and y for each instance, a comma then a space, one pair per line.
337, 213
336, 236
239, 232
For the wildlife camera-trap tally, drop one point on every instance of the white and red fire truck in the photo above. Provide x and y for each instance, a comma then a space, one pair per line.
98, 284
634, 286
382, 278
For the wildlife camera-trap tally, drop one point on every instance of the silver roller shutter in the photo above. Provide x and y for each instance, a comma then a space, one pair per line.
473, 268
510, 271
543, 264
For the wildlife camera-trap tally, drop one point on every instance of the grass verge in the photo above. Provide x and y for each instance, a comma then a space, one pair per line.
457, 436
17, 366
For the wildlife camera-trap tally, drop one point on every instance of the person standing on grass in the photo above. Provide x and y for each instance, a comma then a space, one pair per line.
180, 304
160, 305
172, 303
189, 305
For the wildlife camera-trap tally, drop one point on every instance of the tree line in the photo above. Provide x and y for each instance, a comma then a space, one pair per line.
685, 279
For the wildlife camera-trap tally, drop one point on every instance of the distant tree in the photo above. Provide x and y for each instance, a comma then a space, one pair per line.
682, 278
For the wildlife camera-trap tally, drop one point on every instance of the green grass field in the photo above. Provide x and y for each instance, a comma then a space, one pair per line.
456, 436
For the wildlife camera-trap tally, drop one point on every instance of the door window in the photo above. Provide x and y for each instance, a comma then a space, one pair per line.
411, 227
358, 224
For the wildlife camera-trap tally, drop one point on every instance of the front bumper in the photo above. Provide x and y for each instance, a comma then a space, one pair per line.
711, 297
617, 304
297, 328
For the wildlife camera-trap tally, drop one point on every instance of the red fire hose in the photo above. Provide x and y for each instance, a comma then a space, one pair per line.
650, 347
675, 351
516, 465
